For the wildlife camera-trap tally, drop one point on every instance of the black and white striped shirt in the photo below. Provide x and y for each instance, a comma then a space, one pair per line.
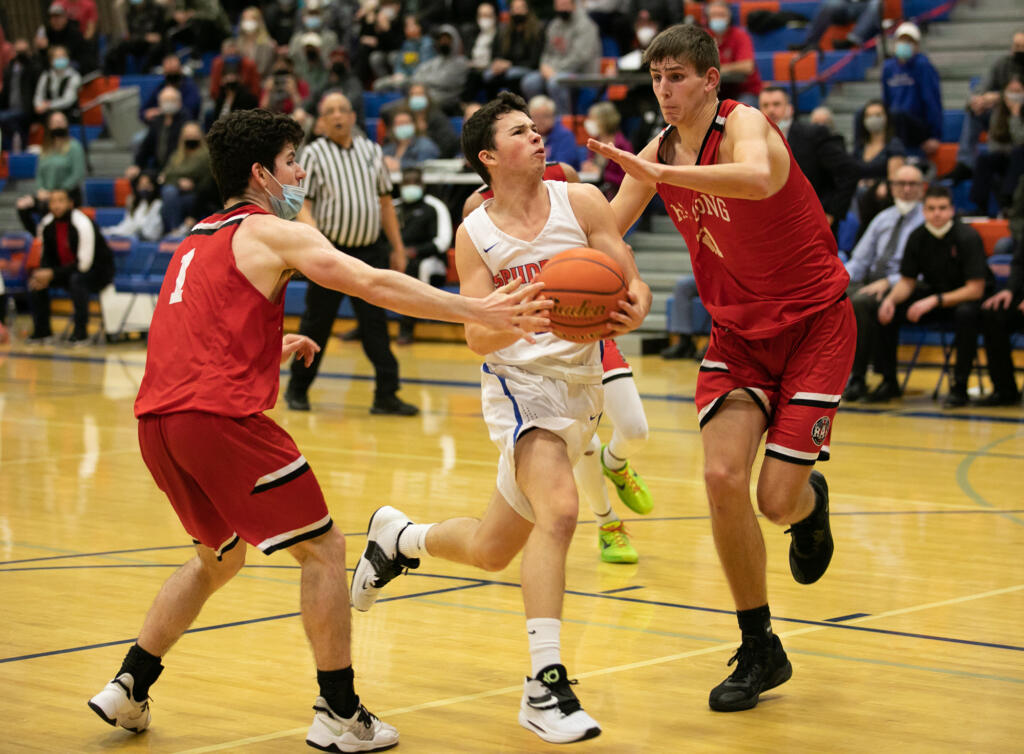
345, 186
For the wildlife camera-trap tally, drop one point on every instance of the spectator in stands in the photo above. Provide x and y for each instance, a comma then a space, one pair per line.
880, 154
75, 257
142, 219
444, 75
311, 62
186, 183
821, 155
340, 78
145, 22
63, 31
517, 49
85, 14
61, 166
979, 107
405, 147
162, 134
999, 170
380, 34
572, 46
57, 88
823, 116
17, 94
1001, 315
602, 123
239, 68
231, 94
283, 92
173, 76
612, 22
874, 268
910, 91
680, 321
311, 42
943, 277
416, 48
254, 41
559, 143
866, 15
481, 45
281, 19
740, 78
200, 25
426, 234
428, 118
657, 13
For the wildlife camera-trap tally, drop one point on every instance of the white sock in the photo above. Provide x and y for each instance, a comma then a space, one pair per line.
612, 462
545, 643
412, 542
591, 484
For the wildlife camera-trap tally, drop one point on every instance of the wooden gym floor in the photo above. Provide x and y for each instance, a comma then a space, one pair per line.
911, 642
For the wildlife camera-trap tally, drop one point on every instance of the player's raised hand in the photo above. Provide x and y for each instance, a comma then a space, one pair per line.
304, 348
643, 170
515, 307
632, 311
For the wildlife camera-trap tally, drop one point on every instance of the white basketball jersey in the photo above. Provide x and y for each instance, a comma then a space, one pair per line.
508, 257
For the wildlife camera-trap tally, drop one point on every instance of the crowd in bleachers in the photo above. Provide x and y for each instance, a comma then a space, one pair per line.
411, 70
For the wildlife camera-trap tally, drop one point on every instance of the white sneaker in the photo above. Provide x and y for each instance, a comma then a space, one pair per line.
117, 707
364, 731
381, 561
551, 710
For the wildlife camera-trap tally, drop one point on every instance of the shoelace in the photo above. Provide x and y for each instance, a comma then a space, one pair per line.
567, 701
366, 717
618, 535
746, 659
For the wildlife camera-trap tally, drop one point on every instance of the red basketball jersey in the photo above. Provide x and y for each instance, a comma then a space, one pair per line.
553, 171
215, 341
761, 265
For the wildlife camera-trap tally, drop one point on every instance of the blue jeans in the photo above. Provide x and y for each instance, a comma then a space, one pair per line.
680, 319
866, 17
177, 205
970, 133
534, 83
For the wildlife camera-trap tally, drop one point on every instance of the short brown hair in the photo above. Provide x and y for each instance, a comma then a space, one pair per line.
478, 131
687, 44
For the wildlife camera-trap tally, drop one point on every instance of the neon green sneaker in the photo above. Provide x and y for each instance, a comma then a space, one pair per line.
614, 543
631, 487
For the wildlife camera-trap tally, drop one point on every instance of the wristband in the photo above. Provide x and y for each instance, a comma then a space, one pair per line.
939, 297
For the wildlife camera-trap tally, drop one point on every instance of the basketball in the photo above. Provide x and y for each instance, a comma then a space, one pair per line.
586, 286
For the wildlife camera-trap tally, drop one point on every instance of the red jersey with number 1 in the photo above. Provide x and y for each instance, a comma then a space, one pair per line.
215, 340
761, 265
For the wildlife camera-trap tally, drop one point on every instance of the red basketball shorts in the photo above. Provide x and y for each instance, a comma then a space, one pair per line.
796, 378
234, 478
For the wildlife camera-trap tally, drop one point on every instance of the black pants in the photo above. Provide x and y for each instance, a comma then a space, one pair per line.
318, 319
865, 309
998, 324
965, 321
39, 301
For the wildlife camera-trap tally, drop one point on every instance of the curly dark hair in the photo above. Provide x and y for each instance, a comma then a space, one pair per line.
478, 131
244, 137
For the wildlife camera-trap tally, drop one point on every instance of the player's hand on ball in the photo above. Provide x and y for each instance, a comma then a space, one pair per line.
632, 312
517, 308
304, 348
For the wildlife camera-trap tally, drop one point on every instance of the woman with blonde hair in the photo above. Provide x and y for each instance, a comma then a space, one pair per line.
254, 40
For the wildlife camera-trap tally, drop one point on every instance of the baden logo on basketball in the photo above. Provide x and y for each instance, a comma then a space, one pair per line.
586, 286
583, 310
820, 430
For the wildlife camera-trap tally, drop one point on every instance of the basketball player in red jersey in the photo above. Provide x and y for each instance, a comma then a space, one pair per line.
783, 337
232, 475
623, 407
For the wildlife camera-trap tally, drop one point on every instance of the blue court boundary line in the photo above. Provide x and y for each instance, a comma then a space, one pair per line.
667, 397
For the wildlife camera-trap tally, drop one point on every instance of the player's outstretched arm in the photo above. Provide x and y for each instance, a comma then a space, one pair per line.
634, 194
511, 309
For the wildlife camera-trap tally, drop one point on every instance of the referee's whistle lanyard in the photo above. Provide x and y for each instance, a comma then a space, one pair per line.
288, 207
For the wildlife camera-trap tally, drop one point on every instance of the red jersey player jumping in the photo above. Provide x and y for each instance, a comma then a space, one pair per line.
783, 337
232, 475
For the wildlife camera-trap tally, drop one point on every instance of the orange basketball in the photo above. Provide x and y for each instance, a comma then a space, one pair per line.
586, 286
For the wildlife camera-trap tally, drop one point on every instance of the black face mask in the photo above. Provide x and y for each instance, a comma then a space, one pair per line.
191, 143
230, 86
22, 57
312, 55
173, 78
340, 70
565, 15
144, 195
518, 18
59, 133
444, 49
1018, 58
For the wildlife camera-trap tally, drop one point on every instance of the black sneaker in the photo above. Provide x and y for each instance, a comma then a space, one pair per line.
886, 391
760, 666
684, 349
957, 398
958, 174
810, 550
295, 401
393, 405
856, 388
998, 399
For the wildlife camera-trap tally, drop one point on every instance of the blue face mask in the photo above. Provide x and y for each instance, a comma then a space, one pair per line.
417, 102
718, 25
288, 207
411, 193
405, 131
313, 22
904, 50
60, 64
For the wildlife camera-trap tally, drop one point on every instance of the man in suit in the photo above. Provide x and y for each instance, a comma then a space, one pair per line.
821, 154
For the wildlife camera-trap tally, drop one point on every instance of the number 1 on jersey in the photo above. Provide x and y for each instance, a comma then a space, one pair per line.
180, 282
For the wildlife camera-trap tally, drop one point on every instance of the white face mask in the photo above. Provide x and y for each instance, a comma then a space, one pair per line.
590, 126
645, 34
941, 231
905, 206
486, 23
784, 125
249, 26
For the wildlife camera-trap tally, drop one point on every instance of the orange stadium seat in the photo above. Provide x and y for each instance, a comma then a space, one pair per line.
90, 211
751, 5
92, 90
694, 10
991, 231
944, 158
35, 254
834, 32
122, 190
892, 9
806, 69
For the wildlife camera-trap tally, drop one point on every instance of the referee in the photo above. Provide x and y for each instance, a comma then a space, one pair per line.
348, 198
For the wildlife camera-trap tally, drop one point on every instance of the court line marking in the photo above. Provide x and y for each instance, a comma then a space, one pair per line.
963, 476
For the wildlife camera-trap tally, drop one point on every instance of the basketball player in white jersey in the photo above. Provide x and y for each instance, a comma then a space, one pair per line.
541, 405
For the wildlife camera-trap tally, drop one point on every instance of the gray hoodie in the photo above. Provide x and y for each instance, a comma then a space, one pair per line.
444, 75
572, 46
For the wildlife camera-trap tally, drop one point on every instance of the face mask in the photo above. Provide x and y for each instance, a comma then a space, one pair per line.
144, 195
518, 18
590, 126
313, 22
249, 26
784, 125
170, 108
645, 34
288, 207
312, 54
905, 206
191, 143
718, 25
874, 124
904, 50
340, 70
59, 133
59, 64
444, 49
485, 24
565, 15
136, 2
173, 78
418, 102
1014, 98
230, 86
405, 131
940, 231
411, 193
1018, 58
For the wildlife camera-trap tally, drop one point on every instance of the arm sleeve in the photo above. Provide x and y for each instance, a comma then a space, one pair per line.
972, 254
40, 94
70, 96
744, 46
862, 254
86, 240
77, 157
152, 226
443, 237
909, 267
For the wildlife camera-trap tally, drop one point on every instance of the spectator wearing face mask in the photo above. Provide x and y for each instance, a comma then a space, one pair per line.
145, 22
480, 44
340, 78
162, 134
57, 88
311, 65
602, 123
999, 170
62, 30
231, 96
572, 45
254, 41
740, 78
186, 182
517, 48
236, 66
880, 154
911, 92
17, 95
142, 219
61, 165
176, 78
310, 43
559, 143
380, 34
405, 147
429, 119
445, 74
417, 48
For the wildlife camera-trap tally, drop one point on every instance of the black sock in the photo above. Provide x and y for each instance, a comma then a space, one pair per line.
145, 669
337, 687
756, 622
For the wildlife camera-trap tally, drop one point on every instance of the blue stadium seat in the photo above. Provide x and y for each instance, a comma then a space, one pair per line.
147, 83
778, 40
456, 121
609, 48
374, 101
98, 192
22, 166
14, 248
952, 122
108, 216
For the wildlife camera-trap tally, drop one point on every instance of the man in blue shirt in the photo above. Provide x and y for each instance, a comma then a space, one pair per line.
874, 268
910, 91
559, 143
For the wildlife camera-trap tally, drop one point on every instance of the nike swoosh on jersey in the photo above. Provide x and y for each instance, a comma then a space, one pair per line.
490, 247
